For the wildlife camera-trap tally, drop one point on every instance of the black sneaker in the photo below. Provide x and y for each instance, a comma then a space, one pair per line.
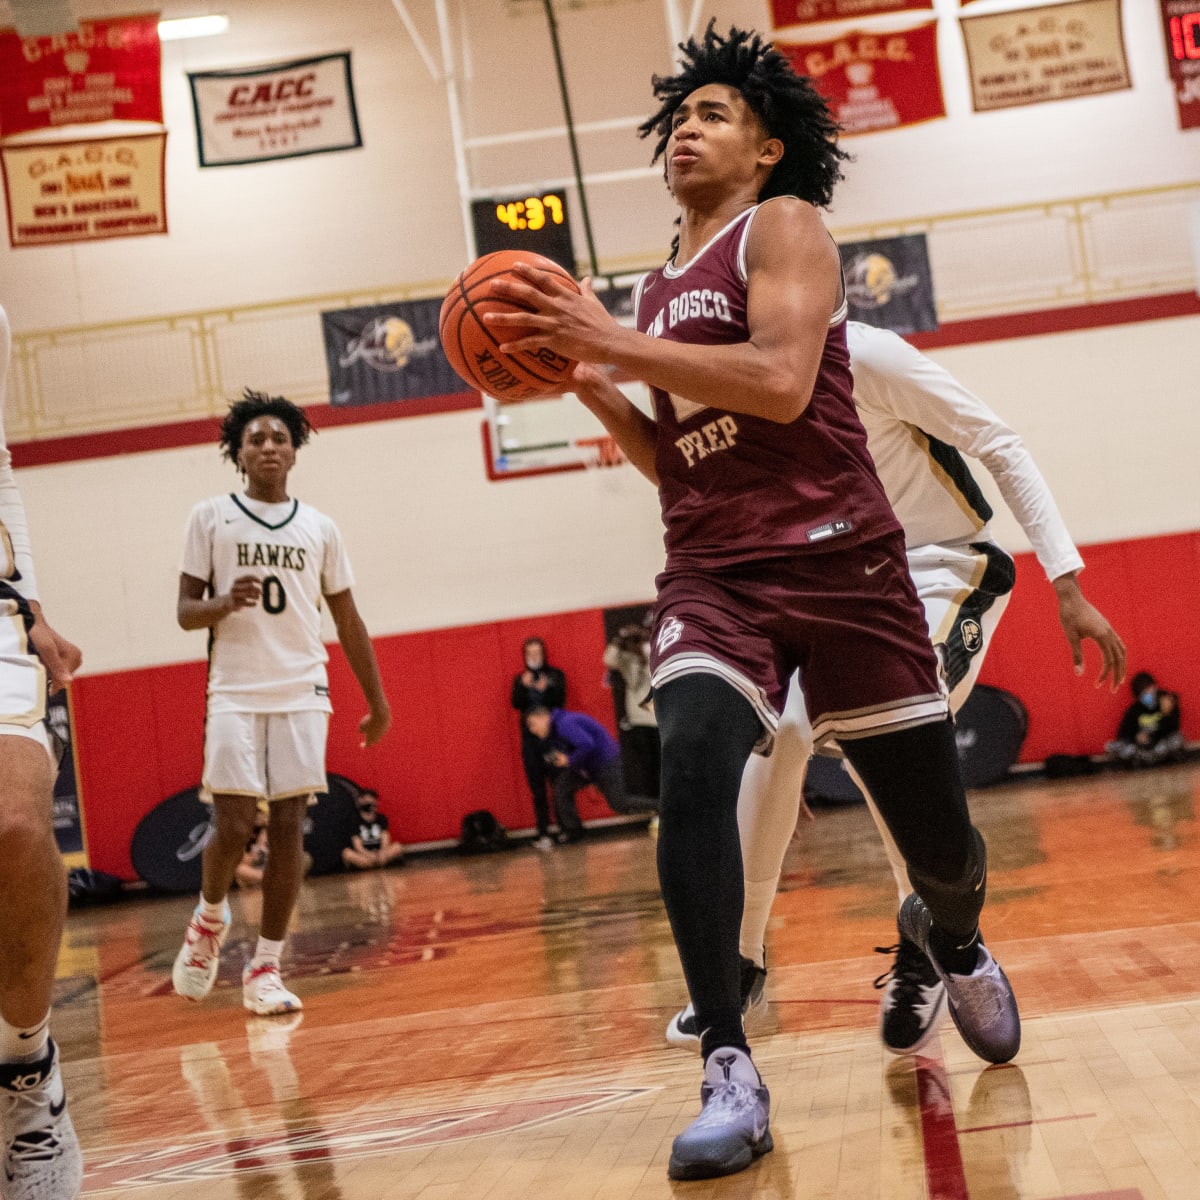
682, 1030
913, 1001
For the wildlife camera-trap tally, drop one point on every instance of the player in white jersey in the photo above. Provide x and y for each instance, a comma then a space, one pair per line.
256, 570
41, 1152
920, 421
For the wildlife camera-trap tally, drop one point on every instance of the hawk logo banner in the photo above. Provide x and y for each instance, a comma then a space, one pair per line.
874, 81
387, 352
889, 283
285, 110
105, 71
84, 191
1059, 52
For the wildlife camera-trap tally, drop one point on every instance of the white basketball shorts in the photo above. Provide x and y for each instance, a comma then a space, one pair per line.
964, 590
270, 756
22, 681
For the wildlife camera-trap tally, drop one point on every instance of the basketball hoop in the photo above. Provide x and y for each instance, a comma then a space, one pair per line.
599, 452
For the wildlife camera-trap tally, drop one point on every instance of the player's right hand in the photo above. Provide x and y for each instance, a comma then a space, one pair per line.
245, 592
60, 657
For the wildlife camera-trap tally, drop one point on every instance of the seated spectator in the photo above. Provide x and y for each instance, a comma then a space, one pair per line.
249, 872
580, 751
372, 845
1149, 733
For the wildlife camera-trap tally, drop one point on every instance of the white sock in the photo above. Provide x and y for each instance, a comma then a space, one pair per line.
267, 952
756, 911
24, 1045
214, 914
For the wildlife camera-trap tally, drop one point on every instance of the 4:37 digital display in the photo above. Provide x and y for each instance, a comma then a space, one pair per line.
538, 223
531, 213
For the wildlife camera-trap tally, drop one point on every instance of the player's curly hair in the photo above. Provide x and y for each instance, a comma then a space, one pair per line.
787, 104
258, 404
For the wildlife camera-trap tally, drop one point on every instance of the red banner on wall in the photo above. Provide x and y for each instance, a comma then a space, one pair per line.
809, 12
105, 71
1181, 25
875, 81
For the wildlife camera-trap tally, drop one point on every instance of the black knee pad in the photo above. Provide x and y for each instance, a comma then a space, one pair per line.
956, 905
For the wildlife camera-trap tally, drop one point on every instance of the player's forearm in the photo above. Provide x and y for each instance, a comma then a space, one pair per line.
1030, 500
360, 654
632, 429
205, 613
741, 377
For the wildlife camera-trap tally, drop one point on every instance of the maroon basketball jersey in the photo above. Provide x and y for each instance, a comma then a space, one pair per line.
737, 488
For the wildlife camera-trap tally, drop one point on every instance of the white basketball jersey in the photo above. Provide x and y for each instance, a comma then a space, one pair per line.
920, 421
268, 658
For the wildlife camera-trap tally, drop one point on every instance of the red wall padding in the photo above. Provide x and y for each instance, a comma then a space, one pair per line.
1147, 589
455, 744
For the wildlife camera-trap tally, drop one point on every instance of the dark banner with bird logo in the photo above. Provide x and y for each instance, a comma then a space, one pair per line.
385, 352
889, 283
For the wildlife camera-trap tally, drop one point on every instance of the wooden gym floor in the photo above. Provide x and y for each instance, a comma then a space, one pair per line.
491, 1028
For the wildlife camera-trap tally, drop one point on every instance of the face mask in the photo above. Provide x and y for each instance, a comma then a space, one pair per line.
1147, 697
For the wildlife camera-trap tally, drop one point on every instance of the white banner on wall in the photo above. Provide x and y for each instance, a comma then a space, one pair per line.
255, 114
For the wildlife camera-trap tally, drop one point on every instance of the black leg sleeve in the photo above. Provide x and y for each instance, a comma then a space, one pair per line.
708, 730
915, 779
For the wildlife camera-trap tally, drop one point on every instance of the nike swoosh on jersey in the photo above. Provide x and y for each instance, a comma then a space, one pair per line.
876, 567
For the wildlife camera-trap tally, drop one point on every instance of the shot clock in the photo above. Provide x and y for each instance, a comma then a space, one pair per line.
537, 223
1181, 26
1183, 34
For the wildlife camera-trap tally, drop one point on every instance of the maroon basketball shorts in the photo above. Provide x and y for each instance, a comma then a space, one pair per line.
848, 619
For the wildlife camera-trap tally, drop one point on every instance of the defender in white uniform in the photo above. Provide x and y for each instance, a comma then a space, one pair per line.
920, 422
257, 568
41, 1151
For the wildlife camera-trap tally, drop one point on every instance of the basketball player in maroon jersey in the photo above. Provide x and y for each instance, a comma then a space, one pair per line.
782, 551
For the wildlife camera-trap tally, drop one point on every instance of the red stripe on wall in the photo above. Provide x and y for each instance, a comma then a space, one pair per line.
955, 333
1059, 320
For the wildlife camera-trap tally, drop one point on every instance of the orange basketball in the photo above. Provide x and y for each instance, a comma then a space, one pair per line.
473, 347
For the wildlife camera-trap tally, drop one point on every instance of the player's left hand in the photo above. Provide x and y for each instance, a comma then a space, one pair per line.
572, 323
60, 657
374, 725
1081, 620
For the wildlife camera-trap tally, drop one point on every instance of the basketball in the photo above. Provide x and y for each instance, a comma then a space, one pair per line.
473, 347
